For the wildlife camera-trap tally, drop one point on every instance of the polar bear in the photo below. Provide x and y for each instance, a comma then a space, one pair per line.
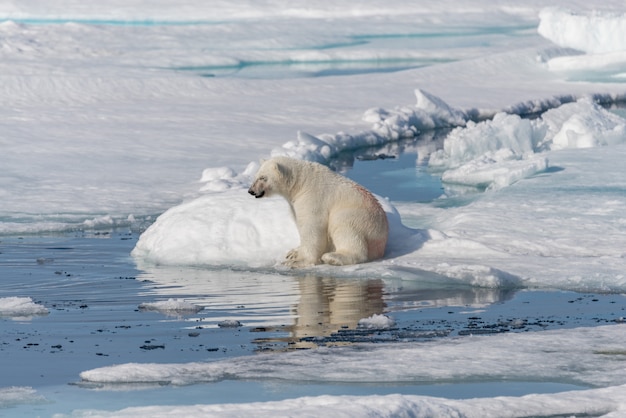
339, 221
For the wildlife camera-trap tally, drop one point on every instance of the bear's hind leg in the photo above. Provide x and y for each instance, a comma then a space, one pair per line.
347, 251
347, 238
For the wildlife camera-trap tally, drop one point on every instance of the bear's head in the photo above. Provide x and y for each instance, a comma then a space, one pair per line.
271, 178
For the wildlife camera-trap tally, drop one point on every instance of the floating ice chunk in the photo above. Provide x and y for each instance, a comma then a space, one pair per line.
377, 321
20, 307
492, 174
171, 306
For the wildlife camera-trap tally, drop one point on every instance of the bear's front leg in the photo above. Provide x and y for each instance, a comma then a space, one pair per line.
292, 254
313, 243
296, 259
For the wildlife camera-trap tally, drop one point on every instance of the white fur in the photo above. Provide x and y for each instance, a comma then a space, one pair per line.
339, 221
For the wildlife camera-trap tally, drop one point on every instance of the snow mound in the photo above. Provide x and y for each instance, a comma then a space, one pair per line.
228, 228
171, 306
20, 307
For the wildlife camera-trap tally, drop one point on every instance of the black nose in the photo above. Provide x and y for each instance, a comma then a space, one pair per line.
255, 194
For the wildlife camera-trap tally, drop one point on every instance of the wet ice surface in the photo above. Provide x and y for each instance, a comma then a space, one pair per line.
94, 296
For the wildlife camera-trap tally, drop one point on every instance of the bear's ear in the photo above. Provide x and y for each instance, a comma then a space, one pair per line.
281, 169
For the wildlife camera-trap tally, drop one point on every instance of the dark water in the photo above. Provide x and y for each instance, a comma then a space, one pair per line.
398, 170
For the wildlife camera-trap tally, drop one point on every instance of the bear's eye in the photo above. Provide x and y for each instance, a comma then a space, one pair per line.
263, 178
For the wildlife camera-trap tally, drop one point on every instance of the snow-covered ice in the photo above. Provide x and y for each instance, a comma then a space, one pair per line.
156, 115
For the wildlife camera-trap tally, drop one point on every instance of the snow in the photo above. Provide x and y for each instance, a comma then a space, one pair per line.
121, 113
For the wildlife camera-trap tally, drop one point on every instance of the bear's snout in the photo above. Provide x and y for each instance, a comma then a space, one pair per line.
255, 194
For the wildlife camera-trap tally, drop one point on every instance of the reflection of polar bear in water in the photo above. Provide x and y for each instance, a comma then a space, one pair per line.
339, 221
